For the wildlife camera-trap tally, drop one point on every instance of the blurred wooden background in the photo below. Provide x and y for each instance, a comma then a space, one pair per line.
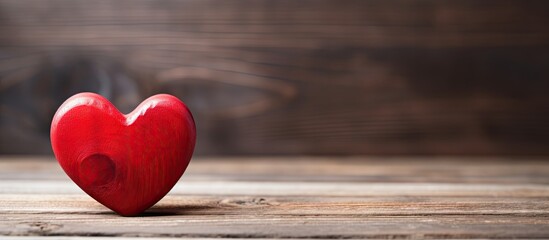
463, 77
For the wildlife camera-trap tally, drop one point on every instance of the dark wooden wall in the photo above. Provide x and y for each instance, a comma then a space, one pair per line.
290, 76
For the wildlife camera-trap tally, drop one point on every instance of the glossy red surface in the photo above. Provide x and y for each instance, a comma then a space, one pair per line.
125, 162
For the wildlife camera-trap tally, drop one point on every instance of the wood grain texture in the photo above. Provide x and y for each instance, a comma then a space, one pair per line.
290, 76
296, 198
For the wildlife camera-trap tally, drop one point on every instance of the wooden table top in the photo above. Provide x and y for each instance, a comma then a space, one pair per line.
296, 197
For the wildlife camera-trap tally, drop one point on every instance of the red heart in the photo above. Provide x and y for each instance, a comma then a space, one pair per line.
125, 162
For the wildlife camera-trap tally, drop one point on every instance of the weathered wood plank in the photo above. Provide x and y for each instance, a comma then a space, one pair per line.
342, 189
249, 205
281, 227
518, 170
99, 238
197, 216
204, 205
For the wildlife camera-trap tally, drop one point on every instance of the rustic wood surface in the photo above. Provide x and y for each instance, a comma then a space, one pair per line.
290, 76
295, 198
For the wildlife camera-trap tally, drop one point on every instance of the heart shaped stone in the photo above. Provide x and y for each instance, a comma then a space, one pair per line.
125, 162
